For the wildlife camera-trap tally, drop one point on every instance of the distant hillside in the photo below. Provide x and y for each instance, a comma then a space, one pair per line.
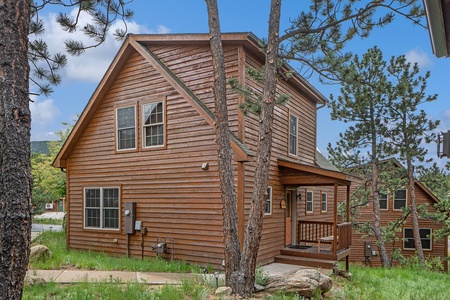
40, 147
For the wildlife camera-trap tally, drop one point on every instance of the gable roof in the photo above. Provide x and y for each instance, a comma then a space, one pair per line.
324, 163
139, 43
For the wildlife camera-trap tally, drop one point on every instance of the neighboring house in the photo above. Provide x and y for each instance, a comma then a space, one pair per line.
55, 206
438, 18
142, 157
365, 250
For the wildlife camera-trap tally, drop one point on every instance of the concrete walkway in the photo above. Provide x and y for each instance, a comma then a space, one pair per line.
72, 276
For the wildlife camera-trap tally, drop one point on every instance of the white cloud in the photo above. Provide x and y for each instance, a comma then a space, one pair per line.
43, 112
420, 57
92, 64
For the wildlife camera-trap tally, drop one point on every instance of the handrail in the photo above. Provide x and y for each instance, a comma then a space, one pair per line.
313, 231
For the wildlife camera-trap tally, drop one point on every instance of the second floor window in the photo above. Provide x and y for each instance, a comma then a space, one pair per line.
400, 199
324, 202
383, 201
309, 202
293, 134
268, 207
153, 124
126, 128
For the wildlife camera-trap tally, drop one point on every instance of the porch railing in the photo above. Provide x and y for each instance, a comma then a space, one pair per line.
314, 231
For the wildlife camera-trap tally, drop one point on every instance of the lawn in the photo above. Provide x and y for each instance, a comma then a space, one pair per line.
367, 283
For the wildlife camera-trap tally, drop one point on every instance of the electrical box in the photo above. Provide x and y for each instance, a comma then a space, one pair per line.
129, 217
138, 225
367, 248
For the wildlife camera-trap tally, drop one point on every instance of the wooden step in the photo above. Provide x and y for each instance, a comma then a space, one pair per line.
326, 255
305, 261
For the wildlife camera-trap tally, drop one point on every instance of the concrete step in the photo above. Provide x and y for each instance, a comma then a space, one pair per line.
305, 261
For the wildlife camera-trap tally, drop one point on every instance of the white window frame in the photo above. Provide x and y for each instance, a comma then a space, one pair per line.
293, 135
119, 129
322, 202
429, 237
269, 201
395, 199
312, 202
144, 126
101, 209
387, 201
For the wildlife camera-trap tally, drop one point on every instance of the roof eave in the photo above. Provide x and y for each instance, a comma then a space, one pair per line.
436, 27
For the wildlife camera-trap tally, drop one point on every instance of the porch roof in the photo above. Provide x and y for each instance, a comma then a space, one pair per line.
293, 173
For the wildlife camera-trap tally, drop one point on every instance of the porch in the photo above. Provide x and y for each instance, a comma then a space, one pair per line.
322, 238
317, 246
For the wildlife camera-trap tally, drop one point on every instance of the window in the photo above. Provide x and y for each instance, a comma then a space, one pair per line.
126, 128
425, 238
268, 208
309, 202
400, 199
324, 202
153, 124
293, 136
383, 201
101, 208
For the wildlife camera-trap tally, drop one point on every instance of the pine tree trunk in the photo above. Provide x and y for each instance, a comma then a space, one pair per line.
252, 238
15, 174
228, 194
385, 262
414, 216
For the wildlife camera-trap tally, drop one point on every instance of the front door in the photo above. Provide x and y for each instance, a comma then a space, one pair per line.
290, 199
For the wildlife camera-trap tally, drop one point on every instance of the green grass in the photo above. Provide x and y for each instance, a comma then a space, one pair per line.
49, 221
87, 260
115, 291
397, 283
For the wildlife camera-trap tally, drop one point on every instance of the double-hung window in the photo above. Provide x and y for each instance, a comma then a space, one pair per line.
126, 128
268, 204
425, 238
383, 201
399, 199
324, 202
101, 208
293, 134
309, 202
153, 124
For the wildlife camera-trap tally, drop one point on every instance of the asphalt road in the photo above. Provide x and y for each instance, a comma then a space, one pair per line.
45, 227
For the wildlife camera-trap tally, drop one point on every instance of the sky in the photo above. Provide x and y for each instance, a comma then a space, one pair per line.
82, 74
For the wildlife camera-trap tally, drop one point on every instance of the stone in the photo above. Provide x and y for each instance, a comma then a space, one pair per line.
305, 282
224, 290
39, 253
258, 288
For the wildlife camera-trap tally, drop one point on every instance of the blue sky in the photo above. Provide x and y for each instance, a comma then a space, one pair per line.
83, 73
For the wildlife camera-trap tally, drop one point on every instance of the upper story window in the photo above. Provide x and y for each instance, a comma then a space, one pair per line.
383, 201
309, 202
101, 208
268, 207
126, 128
425, 238
399, 199
153, 124
293, 134
324, 202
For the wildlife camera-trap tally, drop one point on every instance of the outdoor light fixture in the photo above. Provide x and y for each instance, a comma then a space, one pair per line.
205, 166
216, 274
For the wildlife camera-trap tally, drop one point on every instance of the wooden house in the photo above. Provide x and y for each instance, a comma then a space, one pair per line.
141, 162
365, 250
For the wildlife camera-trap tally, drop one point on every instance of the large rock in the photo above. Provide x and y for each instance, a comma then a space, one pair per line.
306, 283
39, 253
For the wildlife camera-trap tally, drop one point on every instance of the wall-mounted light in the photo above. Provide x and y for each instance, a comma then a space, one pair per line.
205, 166
283, 204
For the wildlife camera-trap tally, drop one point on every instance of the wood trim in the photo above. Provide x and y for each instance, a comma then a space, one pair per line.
289, 135
241, 116
67, 206
240, 202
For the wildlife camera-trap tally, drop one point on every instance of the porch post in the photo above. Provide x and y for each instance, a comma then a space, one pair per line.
335, 212
348, 204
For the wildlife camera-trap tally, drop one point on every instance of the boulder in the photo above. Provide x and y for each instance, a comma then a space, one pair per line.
224, 290
306, 283
39, 253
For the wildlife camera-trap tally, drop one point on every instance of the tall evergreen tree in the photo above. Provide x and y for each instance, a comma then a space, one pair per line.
315, 39
409, 127
19, 18
364, 103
